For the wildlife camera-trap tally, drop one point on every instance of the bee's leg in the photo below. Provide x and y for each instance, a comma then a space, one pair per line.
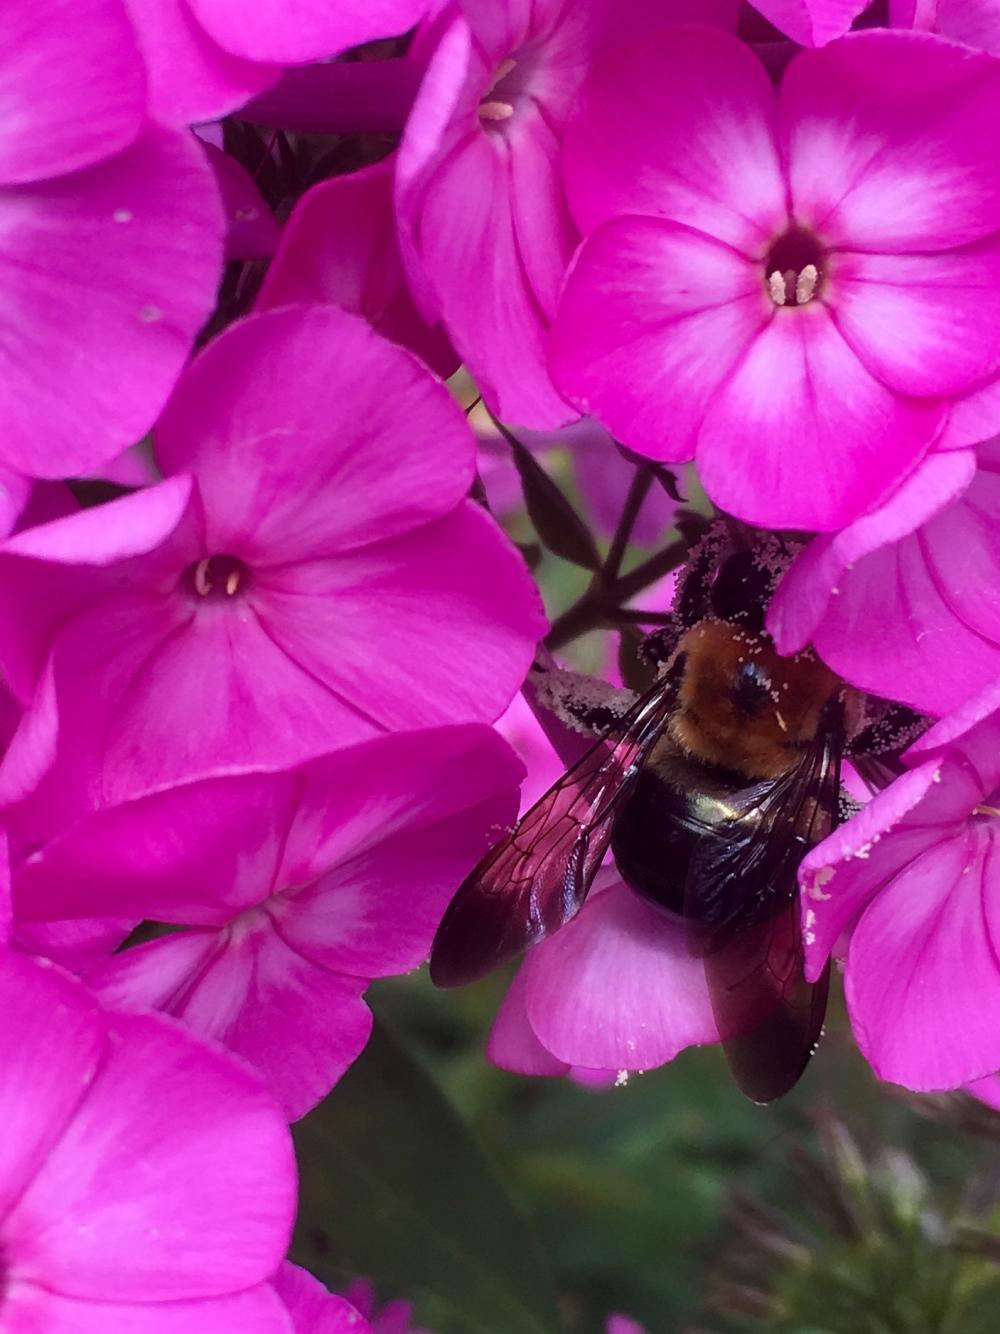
585, 704
886, 728
660, 645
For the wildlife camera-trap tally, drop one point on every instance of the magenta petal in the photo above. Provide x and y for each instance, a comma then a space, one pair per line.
889, 142
986, 1090
339, 246
211, 1211
298, 1024
811, 22
191, 79
914, 615
814, 579
294, 31
71, 87
690, 305
618, 987
28, 1309
351, 467
115, 265
43, 1011
802, 435
341, 97
194, 853
697, 146
923, 979
943, 303
438, 625
457, 206
974, 418
313, 1309
841, 875
975, 22
253, 231
513, 1044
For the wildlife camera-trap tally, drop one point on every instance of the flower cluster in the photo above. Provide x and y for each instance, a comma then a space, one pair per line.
257, 619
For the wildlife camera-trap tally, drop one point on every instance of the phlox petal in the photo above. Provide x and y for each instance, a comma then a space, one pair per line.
811, 22
28, 1309
618, 987
253, 231
221, 1189
294, 31
43, 1012
424, 634
975, 22
113, 266
513, 1043
800, 404
889, 142
339, 246
320, 459
923, 980
71, 86
942, 301
297, 1023
191, 79
986, 1090
905, 601
679, 124
905, 821
805, 591
313, 1309
653, 317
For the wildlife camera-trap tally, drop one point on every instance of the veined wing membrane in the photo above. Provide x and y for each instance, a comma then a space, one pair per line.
742, 905
534, 880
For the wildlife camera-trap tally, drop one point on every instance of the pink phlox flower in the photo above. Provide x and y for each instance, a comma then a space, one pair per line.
339, 246
484, 225
911, 883
299, 886
110, 240
309, 574
314, 1309
762, 252
905, 602
147, 1181
616, 990
974, 22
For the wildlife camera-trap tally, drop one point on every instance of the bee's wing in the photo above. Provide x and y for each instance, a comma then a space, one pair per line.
537, 878
742, 903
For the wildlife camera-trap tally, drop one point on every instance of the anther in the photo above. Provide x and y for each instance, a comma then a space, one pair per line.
202, 583
805, 284
776, 288
232, 583
495, 109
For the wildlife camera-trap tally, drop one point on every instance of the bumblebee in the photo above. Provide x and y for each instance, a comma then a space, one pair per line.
709, 789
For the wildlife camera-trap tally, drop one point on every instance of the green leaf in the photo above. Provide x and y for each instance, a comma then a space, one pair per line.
555, 520
394, 1188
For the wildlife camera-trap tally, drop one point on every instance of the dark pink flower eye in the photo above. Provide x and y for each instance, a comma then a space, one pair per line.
217, 578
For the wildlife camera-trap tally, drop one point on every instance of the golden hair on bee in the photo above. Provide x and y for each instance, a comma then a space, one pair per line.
741, 706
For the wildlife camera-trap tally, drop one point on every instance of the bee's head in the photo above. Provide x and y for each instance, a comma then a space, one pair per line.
743, 707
